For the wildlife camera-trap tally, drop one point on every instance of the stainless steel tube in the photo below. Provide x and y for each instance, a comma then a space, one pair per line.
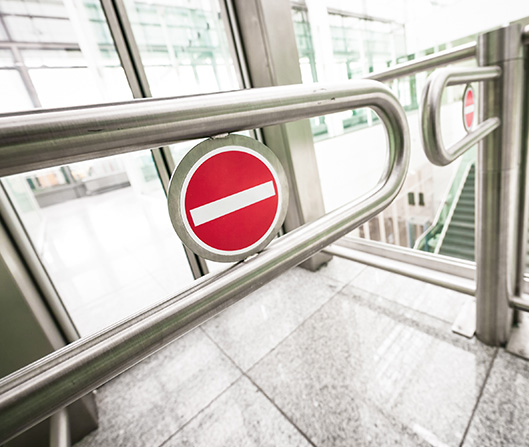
498, 185
60, 429
37, 391
431, 113
450, 56
520, 303
44, 138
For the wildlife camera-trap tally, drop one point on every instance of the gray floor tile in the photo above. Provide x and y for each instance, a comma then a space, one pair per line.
241, 417
353, 376
150, 402
436, 301
502, 415
341, 269
254, 326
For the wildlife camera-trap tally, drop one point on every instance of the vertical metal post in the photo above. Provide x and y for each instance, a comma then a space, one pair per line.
523, 226
60, 429
129, 55
269, 46
498, 185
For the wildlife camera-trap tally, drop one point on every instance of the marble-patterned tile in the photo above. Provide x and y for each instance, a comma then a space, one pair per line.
502, 415
341, 269
151, 401
241, 417
251, 328
430, 299
353, 376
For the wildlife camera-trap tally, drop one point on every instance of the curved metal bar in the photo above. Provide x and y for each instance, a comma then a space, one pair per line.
45, 138
35, 392
445, 57
431, 113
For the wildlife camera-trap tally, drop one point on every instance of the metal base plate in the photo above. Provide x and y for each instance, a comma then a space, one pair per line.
465, 323
519, 341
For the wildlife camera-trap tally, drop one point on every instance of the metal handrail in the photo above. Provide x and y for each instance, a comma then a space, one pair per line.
44, 138
432, 139
445, 57
35, 392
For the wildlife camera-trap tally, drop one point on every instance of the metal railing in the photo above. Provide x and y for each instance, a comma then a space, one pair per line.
49, 137
500, 239
433, 145
39, 139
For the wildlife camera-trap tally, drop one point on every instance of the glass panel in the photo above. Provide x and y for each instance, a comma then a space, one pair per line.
13, 92
35, 29
184, 49
350, 146
6, 58
101, 227
183, 46
3, 33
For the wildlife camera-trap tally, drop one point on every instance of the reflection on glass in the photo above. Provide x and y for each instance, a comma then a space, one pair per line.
435, 210
183, 46
184, 50
100, 227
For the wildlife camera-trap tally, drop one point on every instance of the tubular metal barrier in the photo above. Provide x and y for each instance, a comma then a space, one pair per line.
431, 113
37, 391
45, 138
445, 57
500, 207
60, 429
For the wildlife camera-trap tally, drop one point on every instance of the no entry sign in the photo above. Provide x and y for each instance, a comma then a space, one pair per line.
228, 198
468, 107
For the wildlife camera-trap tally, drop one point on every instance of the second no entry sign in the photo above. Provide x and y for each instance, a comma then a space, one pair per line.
469, 107
228, 198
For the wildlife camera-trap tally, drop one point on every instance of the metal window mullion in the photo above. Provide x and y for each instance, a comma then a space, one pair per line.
129, 55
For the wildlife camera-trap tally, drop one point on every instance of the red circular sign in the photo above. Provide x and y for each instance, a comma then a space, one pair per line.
468, 108
230, 200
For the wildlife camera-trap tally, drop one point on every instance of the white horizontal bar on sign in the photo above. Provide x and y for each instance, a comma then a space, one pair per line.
469, 109
229, 204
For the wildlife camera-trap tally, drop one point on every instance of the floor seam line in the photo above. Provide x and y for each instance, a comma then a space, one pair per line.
406, 307
200, 412
302, 322
221, 349
478, 400
296, 328
276, 406
244, 374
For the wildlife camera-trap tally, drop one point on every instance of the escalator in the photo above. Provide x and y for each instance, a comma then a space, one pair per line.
458, 240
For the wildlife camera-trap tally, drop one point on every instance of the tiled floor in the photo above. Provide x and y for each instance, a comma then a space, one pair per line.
347, 356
